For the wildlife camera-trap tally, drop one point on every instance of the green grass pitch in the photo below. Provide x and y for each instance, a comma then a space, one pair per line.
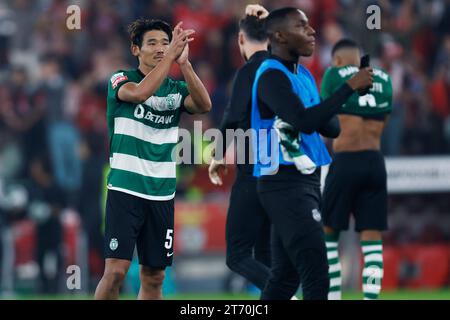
443, 294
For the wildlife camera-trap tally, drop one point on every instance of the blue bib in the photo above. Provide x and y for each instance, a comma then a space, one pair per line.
267, 156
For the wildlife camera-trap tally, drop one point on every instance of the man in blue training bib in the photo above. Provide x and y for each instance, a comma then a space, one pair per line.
288, 117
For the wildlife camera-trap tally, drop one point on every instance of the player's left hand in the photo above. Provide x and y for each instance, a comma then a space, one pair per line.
184, 56
214, 171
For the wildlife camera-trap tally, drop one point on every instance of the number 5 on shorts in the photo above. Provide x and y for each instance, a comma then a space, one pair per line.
169, 239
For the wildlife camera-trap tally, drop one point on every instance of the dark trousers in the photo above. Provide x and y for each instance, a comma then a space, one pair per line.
248, 233
298, 244
49, 255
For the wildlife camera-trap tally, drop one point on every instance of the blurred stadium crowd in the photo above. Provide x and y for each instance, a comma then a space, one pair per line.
53, 82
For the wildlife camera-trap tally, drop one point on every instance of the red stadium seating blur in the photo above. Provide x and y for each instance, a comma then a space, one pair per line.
392, 260
427, 266
433, 264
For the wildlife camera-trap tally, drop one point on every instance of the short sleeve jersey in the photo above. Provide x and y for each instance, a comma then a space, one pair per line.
143, 138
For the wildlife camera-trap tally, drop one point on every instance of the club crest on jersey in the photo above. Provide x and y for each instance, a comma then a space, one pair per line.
117, 78
170, 102
113, 244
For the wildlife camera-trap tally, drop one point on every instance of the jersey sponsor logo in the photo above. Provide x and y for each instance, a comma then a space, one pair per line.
170, 102
113, 244
140, 113
316, 215
117, 78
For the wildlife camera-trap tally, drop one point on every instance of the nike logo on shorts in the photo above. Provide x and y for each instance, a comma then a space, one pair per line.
169, 254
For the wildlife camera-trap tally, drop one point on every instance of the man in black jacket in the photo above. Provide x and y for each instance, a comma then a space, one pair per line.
248, 227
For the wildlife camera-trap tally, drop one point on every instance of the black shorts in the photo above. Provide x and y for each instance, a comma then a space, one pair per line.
147, 224
356, 184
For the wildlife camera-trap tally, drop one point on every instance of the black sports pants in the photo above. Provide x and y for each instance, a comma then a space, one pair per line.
298, 245
248, 233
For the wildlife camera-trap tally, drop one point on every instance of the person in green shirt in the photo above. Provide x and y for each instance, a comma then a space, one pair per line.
144, 109
356, 181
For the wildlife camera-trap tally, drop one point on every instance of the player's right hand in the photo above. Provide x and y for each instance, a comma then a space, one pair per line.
256, 10
214, 171
180, 38
361, 80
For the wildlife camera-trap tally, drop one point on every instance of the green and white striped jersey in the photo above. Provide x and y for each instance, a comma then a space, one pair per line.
143, 138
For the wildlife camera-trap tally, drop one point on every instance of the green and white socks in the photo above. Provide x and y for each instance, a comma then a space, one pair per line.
334, 267
372, 274
373, 268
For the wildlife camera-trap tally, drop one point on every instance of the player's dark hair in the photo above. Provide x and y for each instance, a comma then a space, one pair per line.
138, 28
344, 44
253, 27
276, 18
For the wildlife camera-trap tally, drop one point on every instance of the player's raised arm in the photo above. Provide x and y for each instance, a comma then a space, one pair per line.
274, 91
198, 100
155, 47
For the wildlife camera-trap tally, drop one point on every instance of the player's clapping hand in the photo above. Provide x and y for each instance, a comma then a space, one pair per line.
256, 10
361, 80
178, 46
214, 172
